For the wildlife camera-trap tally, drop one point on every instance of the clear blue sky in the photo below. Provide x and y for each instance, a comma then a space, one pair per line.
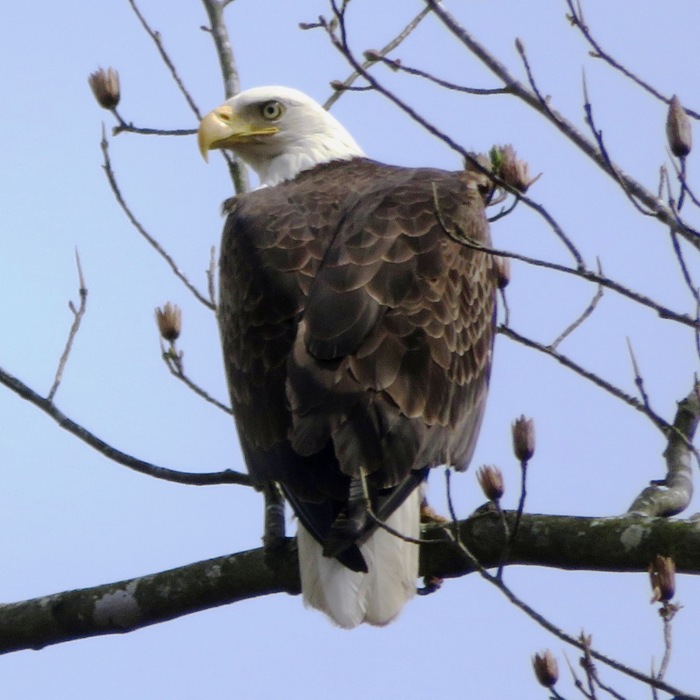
70, 519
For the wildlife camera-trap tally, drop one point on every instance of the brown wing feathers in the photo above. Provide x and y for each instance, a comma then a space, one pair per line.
357, 334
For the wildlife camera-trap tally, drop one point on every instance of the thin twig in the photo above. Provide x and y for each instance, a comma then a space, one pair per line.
682, 178
227, 476
586, 374
684, 267
610, 166
580, 320
232, 84
78, 314
173, 361
107, 167
667, 613
544, 102
638, 378
128, 127
401, 68
558, 632
155, 36
396, 41
661, 212
578, 21
518, 517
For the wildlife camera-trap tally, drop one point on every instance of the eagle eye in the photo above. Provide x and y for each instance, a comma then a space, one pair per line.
271, 110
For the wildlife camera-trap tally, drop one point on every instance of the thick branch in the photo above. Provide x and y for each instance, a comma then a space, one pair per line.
129, 605
596, 544
672, 494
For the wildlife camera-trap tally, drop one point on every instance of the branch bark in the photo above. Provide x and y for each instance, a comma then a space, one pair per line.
672, 494
622, 544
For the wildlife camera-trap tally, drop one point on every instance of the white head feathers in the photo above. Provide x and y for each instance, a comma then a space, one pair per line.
278, 131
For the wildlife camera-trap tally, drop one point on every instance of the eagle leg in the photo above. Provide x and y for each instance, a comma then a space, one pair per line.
351, 522
429, 515
274, 536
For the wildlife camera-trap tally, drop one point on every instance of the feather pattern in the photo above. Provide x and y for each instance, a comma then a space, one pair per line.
349, 597
357, 337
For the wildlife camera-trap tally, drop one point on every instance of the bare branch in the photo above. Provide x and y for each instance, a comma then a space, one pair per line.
578, 21
585, 274
155, 36
672, 494
173, 361
136, 603
107, 167
558, 541
473, 550
400, 67
638, 378
222, 44
342, 47
586, 374
580, 320
659, 209
610, 166
78, 314
228, 476
232, 86
128, 127
396, 41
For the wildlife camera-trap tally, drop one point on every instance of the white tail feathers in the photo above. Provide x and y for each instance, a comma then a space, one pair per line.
350, 598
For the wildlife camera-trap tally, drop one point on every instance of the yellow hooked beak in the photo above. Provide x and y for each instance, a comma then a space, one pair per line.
224, 128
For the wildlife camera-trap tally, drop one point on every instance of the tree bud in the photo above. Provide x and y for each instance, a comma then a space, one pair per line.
105, 87
662, 575
524, 438
678, 131
490, 479
502, 271
169, 320
546, 668
512, 170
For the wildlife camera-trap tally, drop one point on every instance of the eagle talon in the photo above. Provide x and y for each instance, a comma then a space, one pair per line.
431, 584
428, 515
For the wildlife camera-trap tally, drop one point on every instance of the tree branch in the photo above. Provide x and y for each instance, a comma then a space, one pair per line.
577, 20
232, 84
659, 209
672, 494
596, 544
155, 36
228, 476
78, 314
396, 41
109, 172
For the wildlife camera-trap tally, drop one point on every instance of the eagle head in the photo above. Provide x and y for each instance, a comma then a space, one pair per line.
278, 131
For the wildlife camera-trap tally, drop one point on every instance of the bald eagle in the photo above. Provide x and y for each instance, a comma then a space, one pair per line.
357, 338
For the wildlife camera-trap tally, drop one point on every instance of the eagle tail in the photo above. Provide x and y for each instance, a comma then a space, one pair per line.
350, 598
